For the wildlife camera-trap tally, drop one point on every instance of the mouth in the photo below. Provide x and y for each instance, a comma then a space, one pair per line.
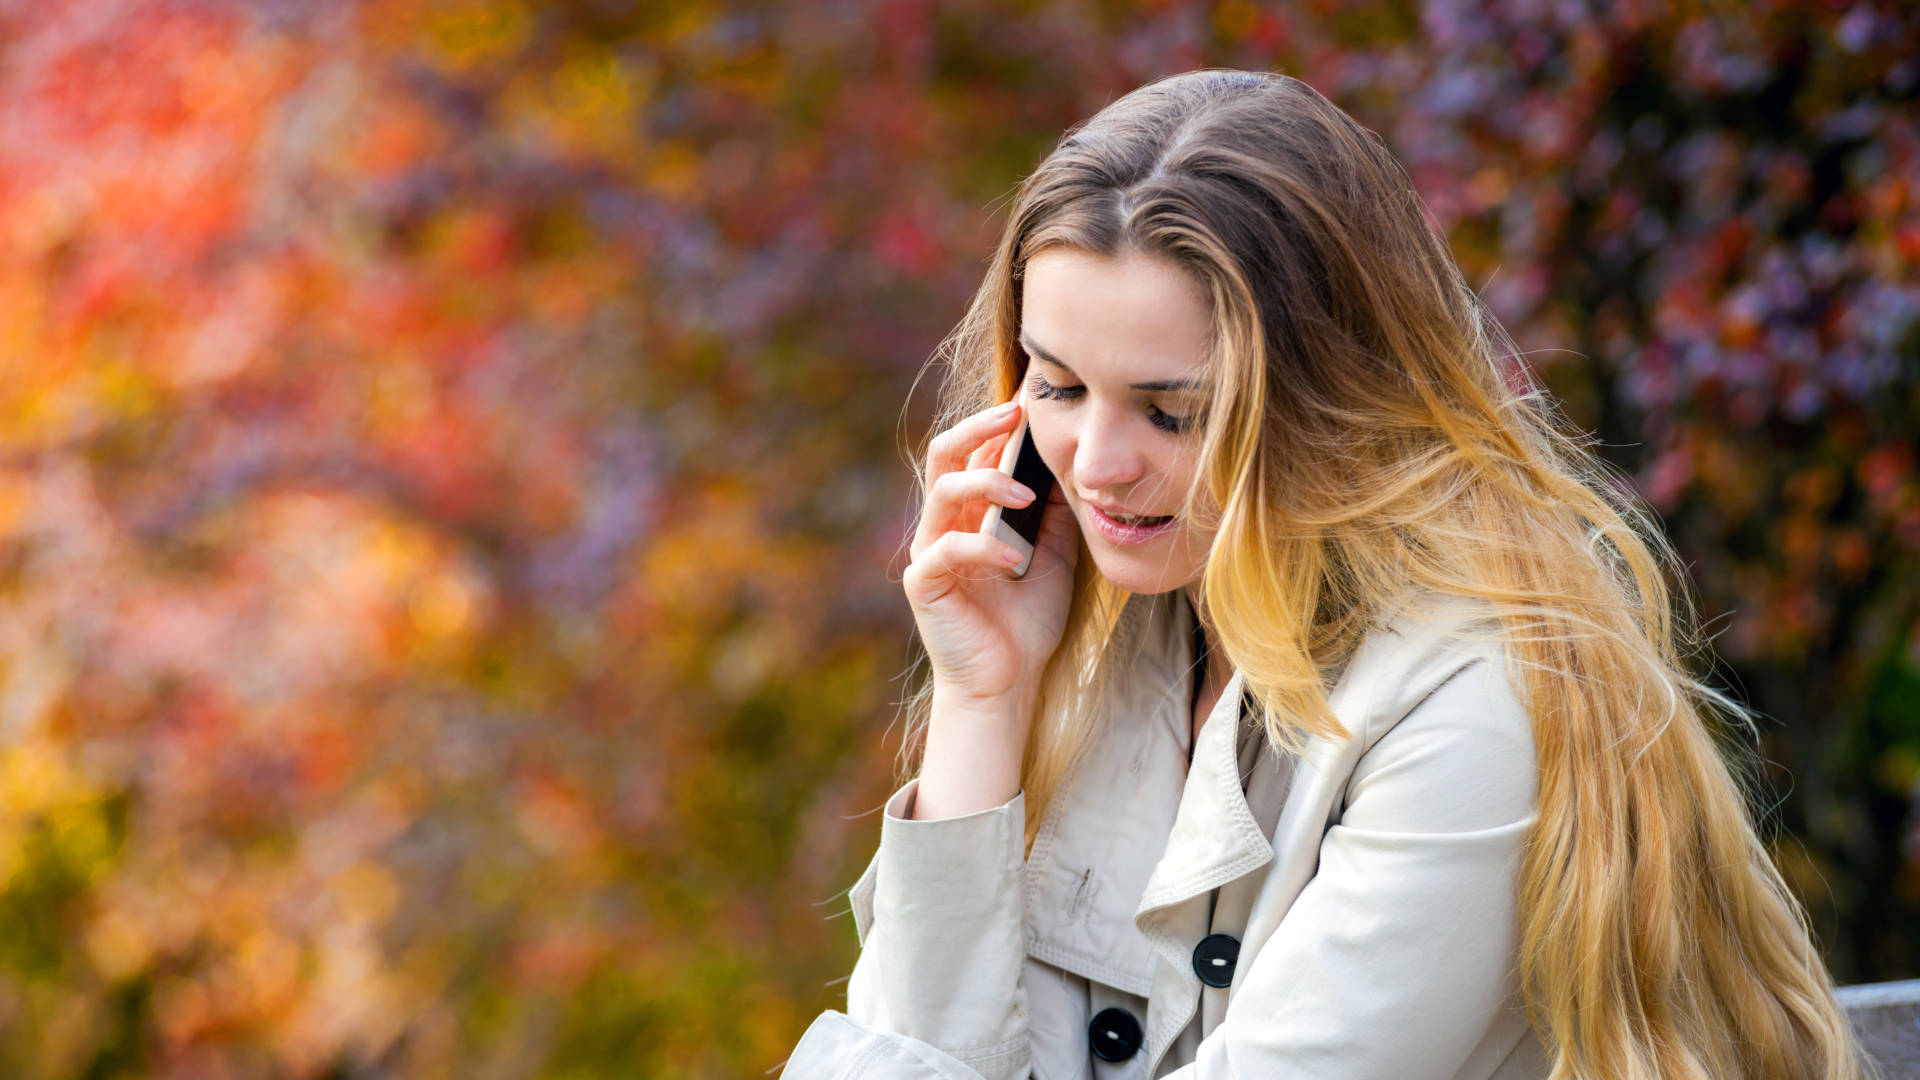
1127, 529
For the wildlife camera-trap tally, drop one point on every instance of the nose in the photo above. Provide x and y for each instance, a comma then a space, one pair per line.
1107, 457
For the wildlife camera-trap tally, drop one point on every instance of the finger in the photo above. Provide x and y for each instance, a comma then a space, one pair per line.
1058, 529
954, 558
989, 452
953, 496
949, 450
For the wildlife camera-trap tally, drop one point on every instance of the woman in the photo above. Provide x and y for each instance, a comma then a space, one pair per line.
1370, 748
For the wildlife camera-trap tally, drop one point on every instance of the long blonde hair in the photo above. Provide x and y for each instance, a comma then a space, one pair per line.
1373, 431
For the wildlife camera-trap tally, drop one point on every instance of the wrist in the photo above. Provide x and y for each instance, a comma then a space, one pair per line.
1012, 708
974, 751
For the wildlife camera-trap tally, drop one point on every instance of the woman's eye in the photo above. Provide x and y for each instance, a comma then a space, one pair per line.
1045, 390
1169, 423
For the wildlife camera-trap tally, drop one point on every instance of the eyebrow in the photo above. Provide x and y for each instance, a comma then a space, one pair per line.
1157, 385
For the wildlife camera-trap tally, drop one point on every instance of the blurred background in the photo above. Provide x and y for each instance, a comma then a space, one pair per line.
453, 485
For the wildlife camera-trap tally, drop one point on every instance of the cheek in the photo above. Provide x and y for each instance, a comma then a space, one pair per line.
1183, 474
1054, 446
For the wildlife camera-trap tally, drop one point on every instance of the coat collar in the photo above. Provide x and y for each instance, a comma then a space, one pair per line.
1090, 874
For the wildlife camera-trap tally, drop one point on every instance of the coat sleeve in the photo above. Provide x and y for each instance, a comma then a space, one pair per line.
1397, 958
935, 993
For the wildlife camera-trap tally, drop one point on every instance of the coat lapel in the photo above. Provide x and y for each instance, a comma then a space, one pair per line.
1215, 836
1217, 839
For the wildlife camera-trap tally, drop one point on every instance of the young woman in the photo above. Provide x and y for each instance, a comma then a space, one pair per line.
1341, 726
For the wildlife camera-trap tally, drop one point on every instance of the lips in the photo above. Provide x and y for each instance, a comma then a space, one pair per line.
1119, 514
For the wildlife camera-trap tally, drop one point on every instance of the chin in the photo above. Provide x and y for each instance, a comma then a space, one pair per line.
1139, 578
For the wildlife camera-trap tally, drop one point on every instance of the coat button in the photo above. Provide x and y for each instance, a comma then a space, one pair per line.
1114, 1034
1214, 957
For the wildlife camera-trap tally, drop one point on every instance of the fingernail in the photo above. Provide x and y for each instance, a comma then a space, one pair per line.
1023, 491
1003, 409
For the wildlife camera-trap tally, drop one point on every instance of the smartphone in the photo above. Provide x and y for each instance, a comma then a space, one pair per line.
1019, 526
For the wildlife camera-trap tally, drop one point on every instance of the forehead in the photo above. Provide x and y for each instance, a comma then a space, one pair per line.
1123, 319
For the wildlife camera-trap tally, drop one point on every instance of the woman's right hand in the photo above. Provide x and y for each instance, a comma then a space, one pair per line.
988, 634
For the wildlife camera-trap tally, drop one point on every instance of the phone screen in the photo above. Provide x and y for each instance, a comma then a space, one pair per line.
1031, 470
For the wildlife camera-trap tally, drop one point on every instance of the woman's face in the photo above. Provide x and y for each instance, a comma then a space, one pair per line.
1109, 342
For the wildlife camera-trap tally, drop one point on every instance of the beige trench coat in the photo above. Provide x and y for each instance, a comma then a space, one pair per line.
1357, 899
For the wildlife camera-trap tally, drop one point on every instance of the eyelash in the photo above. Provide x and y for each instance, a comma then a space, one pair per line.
1173, 425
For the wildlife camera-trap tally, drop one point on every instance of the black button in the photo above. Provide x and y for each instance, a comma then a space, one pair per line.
1114, 1034
1214, 957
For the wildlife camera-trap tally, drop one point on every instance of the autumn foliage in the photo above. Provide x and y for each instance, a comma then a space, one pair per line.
451, 491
